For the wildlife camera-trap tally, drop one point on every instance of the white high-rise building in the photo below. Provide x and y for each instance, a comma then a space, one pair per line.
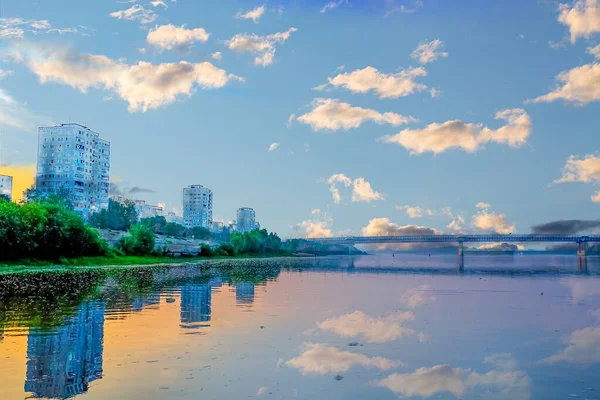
75, 158
246, 220
197, 207
6, 185
146, 210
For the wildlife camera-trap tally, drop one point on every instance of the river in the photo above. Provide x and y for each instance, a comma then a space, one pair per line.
370, 327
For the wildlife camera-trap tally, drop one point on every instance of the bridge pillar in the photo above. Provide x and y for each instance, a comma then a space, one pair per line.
461, 257
581, 256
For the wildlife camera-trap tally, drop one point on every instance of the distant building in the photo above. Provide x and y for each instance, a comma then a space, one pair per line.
246, 220
146, 210
174, 218
217, 226
77, 159
63, 363
197, 207
6, 185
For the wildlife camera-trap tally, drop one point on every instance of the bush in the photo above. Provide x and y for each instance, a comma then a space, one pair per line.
140, 241
226, 249
205, 250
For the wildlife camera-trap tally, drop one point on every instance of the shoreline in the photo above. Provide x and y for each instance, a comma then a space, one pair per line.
100, 263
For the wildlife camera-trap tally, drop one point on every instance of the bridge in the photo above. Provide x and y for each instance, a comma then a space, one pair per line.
582, 241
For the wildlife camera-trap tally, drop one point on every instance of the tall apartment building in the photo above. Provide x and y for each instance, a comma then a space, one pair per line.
174, 218
6, 185
75, 158
246, 220
197, 207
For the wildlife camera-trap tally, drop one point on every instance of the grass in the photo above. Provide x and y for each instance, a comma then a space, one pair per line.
87, 263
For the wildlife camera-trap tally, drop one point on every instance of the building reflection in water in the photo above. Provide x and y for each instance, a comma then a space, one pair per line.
61, 364
195, 306
244, 293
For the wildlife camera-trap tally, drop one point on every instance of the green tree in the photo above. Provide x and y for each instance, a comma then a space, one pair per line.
200, 233
155, 224
119, 216
258, 241
4, 197
140, 241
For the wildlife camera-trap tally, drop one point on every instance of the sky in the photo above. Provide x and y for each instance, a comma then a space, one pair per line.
327, 117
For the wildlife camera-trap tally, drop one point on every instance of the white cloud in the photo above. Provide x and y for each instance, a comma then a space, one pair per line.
435, 93
415, 297
361, 189
492, 222
254, 14
585, 169
11, 33
429, 52
483, 205
290, 120
262, 391
437, 138
332, 114
594, 51
217, 56
582, 18
416, 211
4, 73
319, 358
500, 382
143, 85
456, 224
274, 146
497, 246
262, 46
386, 86
371, 330
384, 227
306, 147
136, 13
393, 7
168, 37
596, 197
580, 85
318, 226
157, 3
582, 348
142, 50
333, 4
340, 68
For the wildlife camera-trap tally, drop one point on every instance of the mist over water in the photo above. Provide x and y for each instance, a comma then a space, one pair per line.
380, 327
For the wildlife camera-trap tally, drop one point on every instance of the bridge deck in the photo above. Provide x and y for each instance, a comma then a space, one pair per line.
458, 239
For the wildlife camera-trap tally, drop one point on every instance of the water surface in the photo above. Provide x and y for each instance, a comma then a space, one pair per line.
376, 327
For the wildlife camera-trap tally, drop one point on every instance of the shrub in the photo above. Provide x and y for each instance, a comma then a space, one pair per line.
139, 242
205, 250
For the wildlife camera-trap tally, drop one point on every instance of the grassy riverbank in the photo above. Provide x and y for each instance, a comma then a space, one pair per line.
86, 263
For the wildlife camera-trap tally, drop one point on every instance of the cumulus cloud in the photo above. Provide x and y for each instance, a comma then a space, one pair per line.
263, 47
582, 348
499, 382
580, 85
384, 227
437, 138
361, 189
274, 146
333, 115
11, 33
492, 222
319, 358
330, 5
418, 296
384, 85
168, 37
253, 14
565, 227
429, 52
262, 391
596, 197
217, 56
586, 169
582, 18
143, 85
369, 329
318, 226
136, 12
457, 223
482, 205
163, 3
416, 211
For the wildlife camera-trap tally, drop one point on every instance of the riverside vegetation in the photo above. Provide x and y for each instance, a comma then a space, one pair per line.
44, 230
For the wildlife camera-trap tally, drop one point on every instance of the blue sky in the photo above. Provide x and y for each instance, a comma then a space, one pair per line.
426, 158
